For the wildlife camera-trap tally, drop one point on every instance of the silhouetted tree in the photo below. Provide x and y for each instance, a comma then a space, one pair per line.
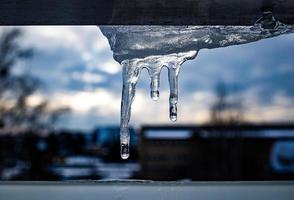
15, 89
225, 111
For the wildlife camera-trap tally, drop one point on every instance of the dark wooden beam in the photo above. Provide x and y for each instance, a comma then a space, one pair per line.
113, 12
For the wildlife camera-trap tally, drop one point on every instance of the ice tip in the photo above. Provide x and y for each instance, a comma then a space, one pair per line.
173, 117
124, 151
154, 95
173, 113
125, 156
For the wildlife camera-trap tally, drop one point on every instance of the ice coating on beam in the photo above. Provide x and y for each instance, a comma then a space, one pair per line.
154, 47
128, 42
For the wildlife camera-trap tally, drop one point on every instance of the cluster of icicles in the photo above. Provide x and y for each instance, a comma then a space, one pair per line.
153, 47
131, 73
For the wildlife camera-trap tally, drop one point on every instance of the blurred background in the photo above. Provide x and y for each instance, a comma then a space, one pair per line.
60, 106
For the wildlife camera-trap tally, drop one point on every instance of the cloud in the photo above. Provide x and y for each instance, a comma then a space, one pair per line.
110, 66
192, 108
100, 100
88, 77
35, 99
78, 38
76, 66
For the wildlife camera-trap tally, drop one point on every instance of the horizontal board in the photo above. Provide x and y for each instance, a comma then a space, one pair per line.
139, 12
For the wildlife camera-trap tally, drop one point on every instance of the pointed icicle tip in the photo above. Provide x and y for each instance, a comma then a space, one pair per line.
124, 151
173, 112
154, 95
124, 143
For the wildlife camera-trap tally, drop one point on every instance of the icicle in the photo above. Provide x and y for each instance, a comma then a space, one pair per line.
173, 71
131, 75
154, 73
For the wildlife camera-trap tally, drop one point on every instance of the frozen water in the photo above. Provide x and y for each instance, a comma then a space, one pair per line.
129, 42
154, 47
131, 74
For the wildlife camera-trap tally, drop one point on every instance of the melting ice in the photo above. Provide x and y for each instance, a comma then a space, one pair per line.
155, 47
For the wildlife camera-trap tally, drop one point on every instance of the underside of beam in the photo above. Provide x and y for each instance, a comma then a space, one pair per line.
142, 12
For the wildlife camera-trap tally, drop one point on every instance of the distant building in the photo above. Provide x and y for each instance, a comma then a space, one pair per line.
215, 153
165, 153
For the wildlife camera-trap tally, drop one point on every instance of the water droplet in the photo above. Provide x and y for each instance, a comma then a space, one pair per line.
124, 142
173, 112
154, 95
124, 151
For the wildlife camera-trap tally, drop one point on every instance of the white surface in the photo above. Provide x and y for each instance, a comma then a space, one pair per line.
142, 191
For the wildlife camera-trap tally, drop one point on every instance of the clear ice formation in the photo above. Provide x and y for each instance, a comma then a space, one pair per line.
154, 47
131, 74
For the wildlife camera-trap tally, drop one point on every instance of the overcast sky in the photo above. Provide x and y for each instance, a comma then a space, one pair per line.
76, 67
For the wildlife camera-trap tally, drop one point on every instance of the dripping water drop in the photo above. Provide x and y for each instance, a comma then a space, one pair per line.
154, 95
173, 113
124, 148
124, 143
